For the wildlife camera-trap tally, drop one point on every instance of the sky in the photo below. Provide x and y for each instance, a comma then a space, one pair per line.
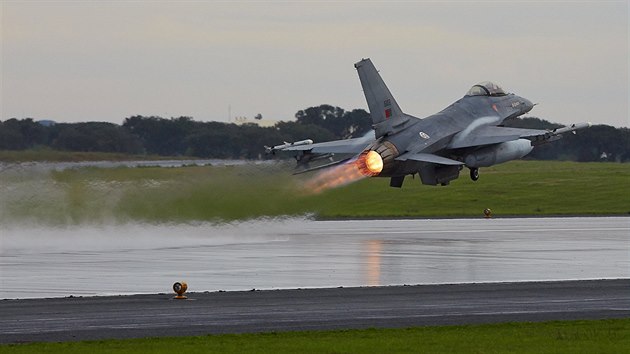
73, 61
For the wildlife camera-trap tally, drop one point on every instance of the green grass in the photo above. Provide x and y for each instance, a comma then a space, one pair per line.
601, 336
533, 188
223, 193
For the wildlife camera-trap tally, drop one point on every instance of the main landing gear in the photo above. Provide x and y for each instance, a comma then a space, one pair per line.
474, 173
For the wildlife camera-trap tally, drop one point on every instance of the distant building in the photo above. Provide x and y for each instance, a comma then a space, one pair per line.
265, 123
47, 122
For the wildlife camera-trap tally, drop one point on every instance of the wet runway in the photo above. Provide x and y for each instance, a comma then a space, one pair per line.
68, 319
295, 253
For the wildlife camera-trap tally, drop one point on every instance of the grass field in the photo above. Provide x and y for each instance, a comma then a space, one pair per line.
224, 193
602, 336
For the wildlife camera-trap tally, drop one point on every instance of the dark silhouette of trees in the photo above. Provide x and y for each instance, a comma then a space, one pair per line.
94, 136
182, 136
334, 119
22, 134
161, 136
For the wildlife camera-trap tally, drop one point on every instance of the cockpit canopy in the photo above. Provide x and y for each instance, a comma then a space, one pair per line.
486, 88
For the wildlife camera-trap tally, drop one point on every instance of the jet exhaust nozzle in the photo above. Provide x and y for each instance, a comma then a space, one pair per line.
378, 160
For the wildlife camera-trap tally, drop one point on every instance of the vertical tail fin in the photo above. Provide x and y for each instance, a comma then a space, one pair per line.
380, 101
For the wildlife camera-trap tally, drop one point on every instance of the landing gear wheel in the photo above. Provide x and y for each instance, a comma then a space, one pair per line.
474, 174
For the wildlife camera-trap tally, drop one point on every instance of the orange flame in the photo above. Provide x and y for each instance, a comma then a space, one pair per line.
367, 164
370, 163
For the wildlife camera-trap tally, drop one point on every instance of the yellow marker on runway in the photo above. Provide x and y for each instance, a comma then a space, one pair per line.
180, 288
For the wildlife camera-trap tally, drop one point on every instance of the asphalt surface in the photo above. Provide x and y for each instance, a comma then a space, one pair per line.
113, 259
71, 319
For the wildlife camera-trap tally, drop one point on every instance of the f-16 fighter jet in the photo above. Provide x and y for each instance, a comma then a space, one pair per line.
468, 133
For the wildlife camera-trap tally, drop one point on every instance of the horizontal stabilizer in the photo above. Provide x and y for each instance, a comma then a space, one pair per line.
419, 156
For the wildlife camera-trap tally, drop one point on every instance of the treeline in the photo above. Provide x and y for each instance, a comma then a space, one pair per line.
183, 136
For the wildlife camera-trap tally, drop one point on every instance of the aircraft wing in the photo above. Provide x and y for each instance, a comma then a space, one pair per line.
419, 156
489, 135
347, 146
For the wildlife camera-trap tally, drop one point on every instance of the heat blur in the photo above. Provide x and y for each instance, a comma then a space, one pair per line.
367, 164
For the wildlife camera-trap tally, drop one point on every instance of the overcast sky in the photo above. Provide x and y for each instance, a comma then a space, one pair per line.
107, 60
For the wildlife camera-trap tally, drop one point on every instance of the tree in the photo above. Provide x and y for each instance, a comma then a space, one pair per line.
161, 136
184, 136
22, 134
95, 136
336, 120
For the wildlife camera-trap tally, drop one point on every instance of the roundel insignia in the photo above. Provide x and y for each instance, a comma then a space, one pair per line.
424, 135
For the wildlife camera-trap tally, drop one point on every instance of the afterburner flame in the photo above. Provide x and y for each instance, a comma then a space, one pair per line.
334, 177
374, 162
368, 164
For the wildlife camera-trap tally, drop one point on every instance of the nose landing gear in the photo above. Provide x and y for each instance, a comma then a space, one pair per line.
474, 173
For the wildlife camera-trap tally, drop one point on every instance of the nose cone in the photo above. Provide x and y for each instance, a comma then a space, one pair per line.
527, 105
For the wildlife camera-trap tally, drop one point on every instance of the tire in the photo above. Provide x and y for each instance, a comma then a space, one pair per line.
474, 174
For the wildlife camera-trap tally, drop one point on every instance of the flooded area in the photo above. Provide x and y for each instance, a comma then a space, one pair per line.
129, 258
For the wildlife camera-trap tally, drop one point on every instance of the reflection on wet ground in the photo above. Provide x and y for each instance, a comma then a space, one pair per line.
295, 253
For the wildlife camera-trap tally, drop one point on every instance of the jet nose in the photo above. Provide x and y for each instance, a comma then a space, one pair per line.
527, 105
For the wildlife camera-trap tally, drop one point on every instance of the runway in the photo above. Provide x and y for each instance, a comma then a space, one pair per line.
69, 319
489, 270
85, 260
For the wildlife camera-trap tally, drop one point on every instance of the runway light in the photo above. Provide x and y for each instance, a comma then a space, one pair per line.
180, 288
487, 213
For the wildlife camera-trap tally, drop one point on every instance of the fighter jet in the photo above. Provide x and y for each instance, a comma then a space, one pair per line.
468, 133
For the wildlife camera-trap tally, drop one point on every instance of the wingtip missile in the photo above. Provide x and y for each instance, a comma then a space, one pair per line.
269, 149
571, 128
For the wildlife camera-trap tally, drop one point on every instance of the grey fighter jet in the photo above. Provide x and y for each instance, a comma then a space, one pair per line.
466, 133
